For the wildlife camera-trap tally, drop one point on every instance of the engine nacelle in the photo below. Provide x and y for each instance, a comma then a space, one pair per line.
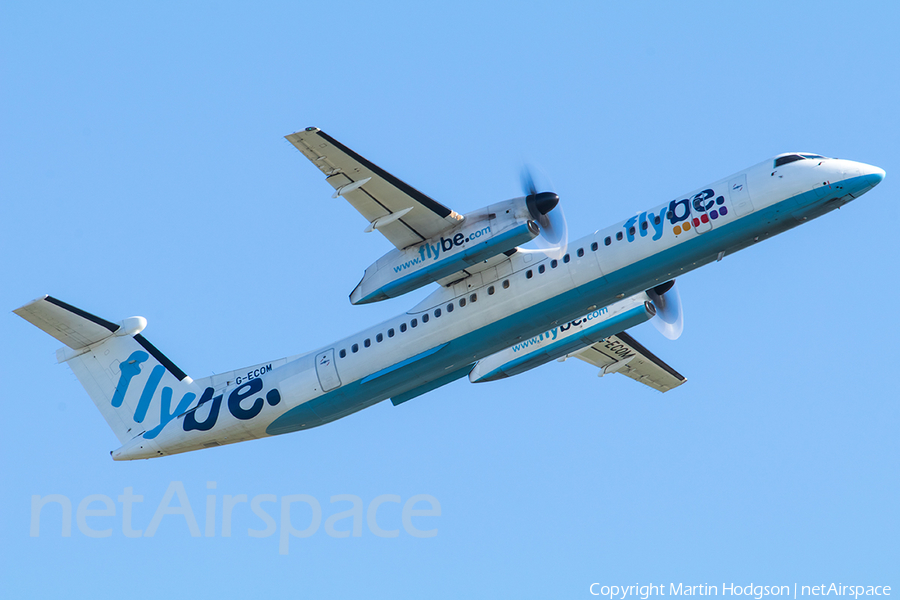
565, 339
481, 235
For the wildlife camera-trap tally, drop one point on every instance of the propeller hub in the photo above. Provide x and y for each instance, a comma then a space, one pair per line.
664, 287
553, 231
543, 202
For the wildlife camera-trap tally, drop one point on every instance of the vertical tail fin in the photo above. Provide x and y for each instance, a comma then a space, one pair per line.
123, 373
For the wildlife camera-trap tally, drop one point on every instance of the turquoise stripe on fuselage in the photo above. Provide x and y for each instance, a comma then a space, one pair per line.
494, 337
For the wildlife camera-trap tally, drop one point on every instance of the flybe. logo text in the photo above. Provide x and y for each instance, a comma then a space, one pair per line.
700, 209
249, 391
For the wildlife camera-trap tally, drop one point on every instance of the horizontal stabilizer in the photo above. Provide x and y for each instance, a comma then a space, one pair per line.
72, 326
621, 353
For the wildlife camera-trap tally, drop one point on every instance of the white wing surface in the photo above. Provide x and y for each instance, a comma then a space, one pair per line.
621, 353
403, 214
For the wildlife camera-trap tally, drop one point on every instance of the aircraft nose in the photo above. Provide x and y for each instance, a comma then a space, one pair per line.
869, 176
873, 174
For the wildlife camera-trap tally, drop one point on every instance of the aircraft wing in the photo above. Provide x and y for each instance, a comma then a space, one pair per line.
402, 213
621, 353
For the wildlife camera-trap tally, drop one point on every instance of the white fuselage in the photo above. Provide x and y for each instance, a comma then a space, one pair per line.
440, 339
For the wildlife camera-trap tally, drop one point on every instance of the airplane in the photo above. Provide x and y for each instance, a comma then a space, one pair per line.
498, 309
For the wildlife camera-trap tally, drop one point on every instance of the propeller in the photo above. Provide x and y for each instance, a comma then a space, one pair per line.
669, 319
544, 210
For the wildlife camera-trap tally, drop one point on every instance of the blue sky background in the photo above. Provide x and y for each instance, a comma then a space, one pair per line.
144, 172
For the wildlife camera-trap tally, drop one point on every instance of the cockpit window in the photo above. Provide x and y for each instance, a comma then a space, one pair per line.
789, 158
783, 160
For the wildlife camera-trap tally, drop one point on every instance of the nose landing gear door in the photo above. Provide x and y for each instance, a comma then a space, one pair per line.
327, 370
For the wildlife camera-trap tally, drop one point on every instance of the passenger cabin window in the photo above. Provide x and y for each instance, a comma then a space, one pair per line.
391, 332
354, 348
425, 318
379, 338
462, 302
402, 327
528, 274
491, 291
619, 236
783, 160
437, 312
367, 343
566, 258
473, 298
541, 269
413, 323
343, 353
506, 284
450, 307
580, 252
607, 241
594, 247
553, 264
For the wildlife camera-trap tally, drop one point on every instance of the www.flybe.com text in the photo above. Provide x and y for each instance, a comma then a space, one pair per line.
428, 251
554, 333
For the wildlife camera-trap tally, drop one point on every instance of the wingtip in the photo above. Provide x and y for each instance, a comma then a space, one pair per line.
27, 304
301, 132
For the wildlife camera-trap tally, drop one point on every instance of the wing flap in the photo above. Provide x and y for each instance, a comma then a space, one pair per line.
621, 353
380, 195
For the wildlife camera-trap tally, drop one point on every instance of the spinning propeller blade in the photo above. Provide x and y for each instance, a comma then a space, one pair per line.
544, 210
669, 319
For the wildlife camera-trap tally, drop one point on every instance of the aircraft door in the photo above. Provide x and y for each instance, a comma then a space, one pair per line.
739, 195
326, 369
702, 208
